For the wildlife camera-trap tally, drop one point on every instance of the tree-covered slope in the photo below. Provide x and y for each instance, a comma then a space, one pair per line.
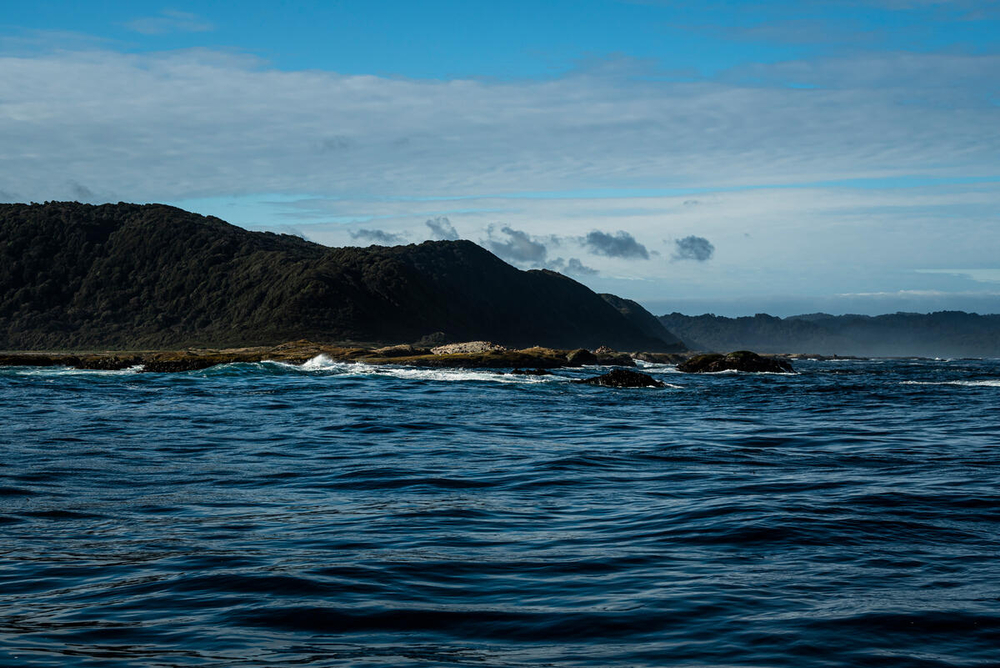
150, 276
644, 320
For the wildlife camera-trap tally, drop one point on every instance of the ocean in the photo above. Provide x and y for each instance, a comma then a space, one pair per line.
346, 515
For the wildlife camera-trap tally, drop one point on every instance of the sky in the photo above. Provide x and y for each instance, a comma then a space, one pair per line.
723, 157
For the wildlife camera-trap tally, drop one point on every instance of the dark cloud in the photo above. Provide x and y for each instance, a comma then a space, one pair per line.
378, 236
621, 244
571, 268
442, 229
518, 247
577, 268
82, 193
693, 248
7, 197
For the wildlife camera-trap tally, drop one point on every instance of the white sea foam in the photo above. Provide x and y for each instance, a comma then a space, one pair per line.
70, 371
656, 367
959, 383
751, 373
323, 363
358, 369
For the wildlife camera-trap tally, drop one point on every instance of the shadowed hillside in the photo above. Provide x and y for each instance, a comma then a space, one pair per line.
942, 334
644, 320
152, 276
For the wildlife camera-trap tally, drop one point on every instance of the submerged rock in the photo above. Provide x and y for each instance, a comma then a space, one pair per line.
622, 378
741, 360
530, 372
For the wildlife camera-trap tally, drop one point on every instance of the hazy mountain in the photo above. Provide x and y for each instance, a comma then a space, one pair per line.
942, 334
132, 276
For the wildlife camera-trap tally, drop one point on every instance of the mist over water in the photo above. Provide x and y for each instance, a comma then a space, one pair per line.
336, 514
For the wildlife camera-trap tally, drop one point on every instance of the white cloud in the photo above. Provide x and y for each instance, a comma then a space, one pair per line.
198, 123
169, 21
977, 275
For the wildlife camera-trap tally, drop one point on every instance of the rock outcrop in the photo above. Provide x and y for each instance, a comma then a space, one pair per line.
467, 347
622, 378
580, 357
741, 360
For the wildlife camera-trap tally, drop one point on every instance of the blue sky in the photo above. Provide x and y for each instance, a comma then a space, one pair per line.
731, 157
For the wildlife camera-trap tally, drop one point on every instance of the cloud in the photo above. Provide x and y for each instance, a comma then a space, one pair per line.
82, 193
334, 144
169, 21
577, 268
192, 115
442, 229
809, 170
979, 275
622, 244
519, 246
693, 248
378, 236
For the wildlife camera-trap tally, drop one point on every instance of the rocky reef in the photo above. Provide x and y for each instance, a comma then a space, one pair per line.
741, 360
468, 355
622, 378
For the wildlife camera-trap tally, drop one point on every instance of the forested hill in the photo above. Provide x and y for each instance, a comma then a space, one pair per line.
152, 276
942, 334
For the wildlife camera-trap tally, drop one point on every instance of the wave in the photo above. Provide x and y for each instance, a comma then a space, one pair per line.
737, 372
323, 363
960, 383
658, 367
68, 371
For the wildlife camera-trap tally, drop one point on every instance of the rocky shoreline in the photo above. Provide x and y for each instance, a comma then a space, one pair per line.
468, 355
472, 354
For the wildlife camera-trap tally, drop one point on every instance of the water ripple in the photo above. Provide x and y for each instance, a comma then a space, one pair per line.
334, 514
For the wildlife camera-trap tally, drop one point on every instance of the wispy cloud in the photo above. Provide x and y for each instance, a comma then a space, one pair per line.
192, 117
169, 21
977, 275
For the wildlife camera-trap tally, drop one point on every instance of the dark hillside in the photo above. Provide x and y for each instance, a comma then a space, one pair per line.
644, 320
151, 276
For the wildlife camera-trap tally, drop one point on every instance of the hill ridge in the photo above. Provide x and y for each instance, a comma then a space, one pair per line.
151, 275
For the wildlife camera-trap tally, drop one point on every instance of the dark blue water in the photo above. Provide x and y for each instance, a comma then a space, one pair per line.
263, 515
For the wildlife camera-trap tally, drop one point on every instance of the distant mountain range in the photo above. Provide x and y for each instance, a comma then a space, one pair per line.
943, 334
77, 276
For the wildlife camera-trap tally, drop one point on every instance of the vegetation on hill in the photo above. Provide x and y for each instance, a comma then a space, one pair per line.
644, 320
77, 276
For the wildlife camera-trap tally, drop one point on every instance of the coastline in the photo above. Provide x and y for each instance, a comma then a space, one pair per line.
300, 352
